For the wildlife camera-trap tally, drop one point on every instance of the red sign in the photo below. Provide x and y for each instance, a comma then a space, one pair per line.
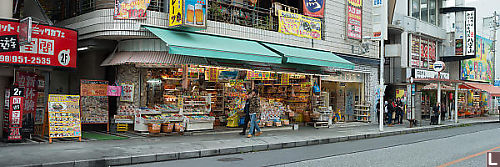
314, 8
15, 117
50, 46
354, 18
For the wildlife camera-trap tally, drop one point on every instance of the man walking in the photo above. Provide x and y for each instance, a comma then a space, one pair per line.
254, 109
247, 114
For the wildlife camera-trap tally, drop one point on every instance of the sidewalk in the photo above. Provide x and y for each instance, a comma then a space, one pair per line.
130, 151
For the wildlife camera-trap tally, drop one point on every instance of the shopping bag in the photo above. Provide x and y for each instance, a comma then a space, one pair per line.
114, 90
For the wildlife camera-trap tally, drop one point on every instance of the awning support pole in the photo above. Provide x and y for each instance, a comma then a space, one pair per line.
456, 103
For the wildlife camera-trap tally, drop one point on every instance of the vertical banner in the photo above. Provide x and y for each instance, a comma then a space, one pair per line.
28, 81
415, 52
314, 8
131, 9
64, 116
354, 18
127, 92
15, 117
175, 13
470, 33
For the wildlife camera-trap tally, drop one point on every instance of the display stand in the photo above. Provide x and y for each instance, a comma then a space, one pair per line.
94, 102
362, 112
322, 111
192, 108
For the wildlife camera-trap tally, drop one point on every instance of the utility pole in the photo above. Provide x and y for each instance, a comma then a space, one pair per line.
382, 88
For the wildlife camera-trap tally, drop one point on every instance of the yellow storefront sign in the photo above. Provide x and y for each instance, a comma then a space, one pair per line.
175, 13
299, 25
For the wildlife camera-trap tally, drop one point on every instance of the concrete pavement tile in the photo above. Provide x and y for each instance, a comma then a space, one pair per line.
244, 149
208, 153
127, 160
166, 156
324, 141
300, 143
289, 145
189, 154
275, 146
90, 163
344, 138
31, 165
143, 158
59, 164
333, 140
262, 147
352, 137
363, 136
313, 142
225, 151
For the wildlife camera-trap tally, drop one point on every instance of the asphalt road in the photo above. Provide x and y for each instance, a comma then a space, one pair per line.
464, 146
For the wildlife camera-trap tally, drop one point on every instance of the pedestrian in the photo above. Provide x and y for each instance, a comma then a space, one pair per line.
254, 109
401, 113
388, 113
435, 115
247, 114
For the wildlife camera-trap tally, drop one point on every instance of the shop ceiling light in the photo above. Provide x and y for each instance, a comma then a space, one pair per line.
82, 48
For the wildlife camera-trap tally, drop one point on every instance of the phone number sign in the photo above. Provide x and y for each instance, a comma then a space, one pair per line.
50, 46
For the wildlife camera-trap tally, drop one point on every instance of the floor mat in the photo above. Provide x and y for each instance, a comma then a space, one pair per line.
100, 136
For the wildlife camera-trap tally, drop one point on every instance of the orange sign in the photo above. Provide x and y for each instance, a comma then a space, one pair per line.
93, 88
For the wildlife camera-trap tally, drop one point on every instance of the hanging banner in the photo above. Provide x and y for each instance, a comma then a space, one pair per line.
470, 33
131, 9
299, 25
480, 68
175, 13
213, 74
15, 117
64, 116
285, 79
50, 46
195, 13
127, 92
314, 8
354, 18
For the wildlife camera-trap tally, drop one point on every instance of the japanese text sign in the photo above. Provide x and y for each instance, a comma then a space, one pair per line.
64, 116
299, 25
314, 8
131, 9
354, 18
470, 33
15, 117
50, 46
175, 12
93, 88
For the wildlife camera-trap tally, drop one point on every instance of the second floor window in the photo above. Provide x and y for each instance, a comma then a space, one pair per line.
425, 10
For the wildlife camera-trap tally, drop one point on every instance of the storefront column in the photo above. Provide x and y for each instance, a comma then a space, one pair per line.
456, 103
439, 101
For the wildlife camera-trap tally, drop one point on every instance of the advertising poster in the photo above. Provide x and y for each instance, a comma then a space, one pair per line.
195, 13
314, 8
94, 101
131, 9
354, 18
127, 92
15, 117
481, 67
459, 47
175, 13
299, 25
50, 46
415, 52
64, 116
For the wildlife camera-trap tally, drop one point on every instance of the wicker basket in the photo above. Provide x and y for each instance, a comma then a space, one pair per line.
154, 127
167, 127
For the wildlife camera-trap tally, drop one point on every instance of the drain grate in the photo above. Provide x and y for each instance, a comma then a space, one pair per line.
230, 159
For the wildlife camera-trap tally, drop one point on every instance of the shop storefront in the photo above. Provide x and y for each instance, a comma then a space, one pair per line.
194, 86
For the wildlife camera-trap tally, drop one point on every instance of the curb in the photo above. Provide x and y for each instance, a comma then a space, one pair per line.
148, 158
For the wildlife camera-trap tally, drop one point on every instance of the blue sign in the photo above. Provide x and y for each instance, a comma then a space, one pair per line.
377, 2
497, 83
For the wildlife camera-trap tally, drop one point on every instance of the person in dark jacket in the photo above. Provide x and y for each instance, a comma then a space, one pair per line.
254, 110
435, 114
247, 115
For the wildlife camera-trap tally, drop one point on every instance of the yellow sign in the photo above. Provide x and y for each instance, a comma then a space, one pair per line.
64, 116
299, 25
175, 13
400, 93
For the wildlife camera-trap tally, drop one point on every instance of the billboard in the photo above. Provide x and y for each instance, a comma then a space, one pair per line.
479, 68
50, 46
299, 25
314, 8
131, 9
354, 18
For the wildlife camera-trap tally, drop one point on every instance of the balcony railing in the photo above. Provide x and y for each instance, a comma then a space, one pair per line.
241, 14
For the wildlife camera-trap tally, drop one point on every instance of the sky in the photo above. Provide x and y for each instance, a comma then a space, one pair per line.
485, 8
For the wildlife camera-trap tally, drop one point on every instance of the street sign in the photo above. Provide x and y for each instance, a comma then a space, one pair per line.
439, 66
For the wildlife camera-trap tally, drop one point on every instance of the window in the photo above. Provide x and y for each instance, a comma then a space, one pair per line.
424, 10
432, 11
415, 8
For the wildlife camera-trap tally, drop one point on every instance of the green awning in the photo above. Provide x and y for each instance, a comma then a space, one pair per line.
209, 46
310, 57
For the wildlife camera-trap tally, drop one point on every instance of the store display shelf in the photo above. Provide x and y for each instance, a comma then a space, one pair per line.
194, 113
361, 115
124, 121
194, 104
172, 79
172, 89
361, 109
